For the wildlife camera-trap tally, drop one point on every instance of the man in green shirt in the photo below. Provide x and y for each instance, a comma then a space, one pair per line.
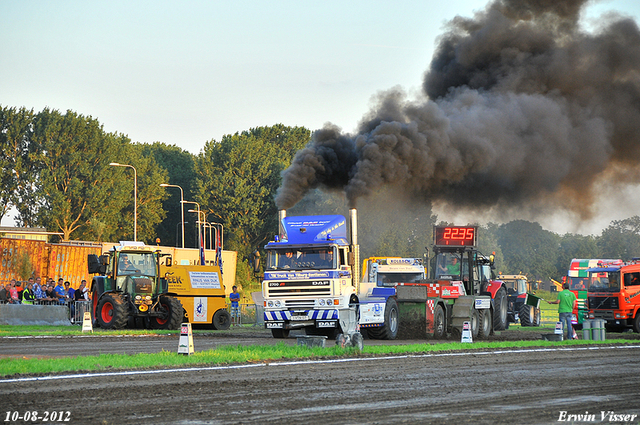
566, 303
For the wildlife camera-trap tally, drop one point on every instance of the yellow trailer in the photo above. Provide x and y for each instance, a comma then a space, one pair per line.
201, 292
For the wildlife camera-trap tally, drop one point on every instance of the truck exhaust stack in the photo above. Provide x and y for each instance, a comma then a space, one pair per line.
353, 226
281, 215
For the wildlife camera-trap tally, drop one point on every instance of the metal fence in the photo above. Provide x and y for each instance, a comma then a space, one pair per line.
249, 314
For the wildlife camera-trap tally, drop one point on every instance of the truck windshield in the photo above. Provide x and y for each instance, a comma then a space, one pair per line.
604, 282
390, 279
301, 259
577, 283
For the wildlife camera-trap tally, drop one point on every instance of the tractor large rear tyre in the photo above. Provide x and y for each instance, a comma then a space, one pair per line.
221, 320
500, 310
484, 325
527, 315
171, 314
112, 312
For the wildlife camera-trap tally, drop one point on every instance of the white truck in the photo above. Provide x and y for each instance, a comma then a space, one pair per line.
311, 275
379, 313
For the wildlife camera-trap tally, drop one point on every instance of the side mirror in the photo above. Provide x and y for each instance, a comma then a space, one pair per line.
351, 258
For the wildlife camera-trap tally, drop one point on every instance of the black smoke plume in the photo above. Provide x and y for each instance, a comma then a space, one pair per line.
522, 106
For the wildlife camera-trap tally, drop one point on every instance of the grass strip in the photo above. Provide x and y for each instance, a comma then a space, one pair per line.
247, 354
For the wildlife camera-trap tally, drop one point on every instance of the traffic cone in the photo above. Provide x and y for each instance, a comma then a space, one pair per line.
185, 346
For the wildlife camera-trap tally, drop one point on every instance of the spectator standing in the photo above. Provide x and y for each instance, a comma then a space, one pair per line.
51, 293
28, 297
4, 294
14, 292
81, 294
70, 291
60, 293
19, 288
566, 303
38, 290
234, 297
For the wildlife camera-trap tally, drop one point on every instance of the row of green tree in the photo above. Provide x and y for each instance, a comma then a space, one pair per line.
56, 172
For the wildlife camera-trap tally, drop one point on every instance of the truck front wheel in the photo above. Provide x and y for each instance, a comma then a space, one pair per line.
636, 323
280, 333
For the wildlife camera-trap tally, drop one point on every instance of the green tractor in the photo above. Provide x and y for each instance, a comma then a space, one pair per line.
128, 290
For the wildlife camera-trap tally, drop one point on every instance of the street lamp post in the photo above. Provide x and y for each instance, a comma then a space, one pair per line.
135, 197
199, 230
201, 222
181, 206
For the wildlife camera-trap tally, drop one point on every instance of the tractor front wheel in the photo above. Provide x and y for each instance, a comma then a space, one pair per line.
500, 310
527, 315
111, 312
171, 314
484, 326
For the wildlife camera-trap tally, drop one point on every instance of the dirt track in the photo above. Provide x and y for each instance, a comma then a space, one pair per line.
500, 387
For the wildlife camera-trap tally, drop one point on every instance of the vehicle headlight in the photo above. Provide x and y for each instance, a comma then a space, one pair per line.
277, 303
269, 303
138, 297
329, 302
321, 302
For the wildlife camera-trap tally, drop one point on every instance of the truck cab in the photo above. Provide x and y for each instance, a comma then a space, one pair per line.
309, 276
614, 295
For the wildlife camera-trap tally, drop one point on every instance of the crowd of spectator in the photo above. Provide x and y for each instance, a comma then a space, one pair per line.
33, 291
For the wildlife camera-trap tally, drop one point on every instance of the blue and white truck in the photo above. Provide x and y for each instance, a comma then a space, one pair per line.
311, 275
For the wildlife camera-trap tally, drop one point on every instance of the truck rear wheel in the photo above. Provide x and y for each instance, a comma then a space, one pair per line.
221, 320
500, 310
527, 315
484, 325
112, 312
439, 324
391, 321
171, 309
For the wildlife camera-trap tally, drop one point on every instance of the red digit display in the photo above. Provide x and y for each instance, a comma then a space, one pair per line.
455, 235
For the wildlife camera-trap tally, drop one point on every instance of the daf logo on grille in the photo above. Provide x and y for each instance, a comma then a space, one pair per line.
320, 283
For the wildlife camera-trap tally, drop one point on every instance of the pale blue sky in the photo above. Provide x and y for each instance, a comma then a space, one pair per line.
185, 72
